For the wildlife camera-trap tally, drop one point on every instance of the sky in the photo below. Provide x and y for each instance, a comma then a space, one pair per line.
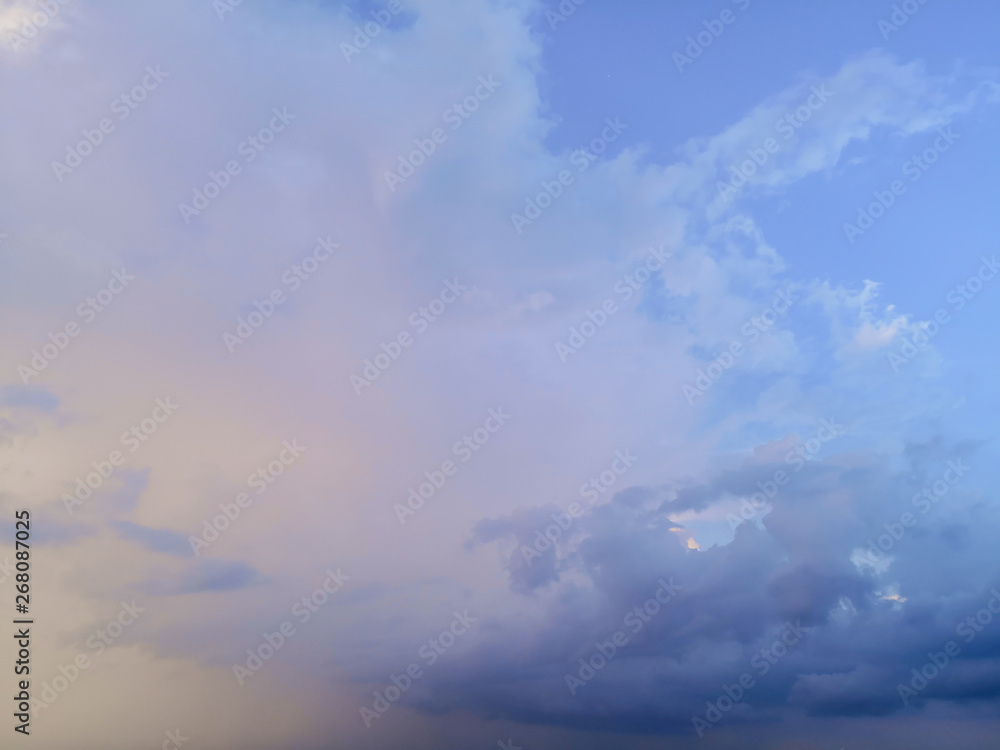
502, 373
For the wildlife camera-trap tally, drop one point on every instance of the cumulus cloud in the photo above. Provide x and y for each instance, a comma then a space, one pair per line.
324, 175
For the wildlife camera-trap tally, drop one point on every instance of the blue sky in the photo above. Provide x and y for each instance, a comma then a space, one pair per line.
390, 408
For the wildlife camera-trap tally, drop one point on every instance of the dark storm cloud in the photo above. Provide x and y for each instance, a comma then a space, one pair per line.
860, 639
